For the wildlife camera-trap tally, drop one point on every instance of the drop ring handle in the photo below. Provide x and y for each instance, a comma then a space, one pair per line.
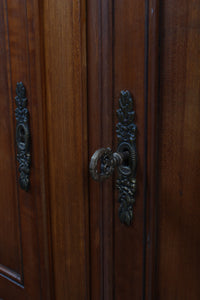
106, 161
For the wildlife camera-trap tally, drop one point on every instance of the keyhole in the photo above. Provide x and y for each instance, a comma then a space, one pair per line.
127, 166
21, 135
126, 160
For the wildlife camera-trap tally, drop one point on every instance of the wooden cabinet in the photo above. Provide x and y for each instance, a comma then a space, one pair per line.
62, 239
24, 222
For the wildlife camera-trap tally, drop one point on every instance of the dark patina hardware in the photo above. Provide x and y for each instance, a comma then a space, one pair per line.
22, 136
108, 162
103, 161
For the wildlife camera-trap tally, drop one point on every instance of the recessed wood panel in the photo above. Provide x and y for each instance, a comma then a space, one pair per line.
129, 73
66, 106
116, 61
179, 152
24, 254
10, 245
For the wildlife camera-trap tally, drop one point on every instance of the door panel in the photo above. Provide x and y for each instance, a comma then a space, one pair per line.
129, 70
116, 61
179, 152
11, 259
66, 107
63, 238
158, 254
24, 259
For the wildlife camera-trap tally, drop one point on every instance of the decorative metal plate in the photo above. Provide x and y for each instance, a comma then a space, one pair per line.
22, 136
126, 134
104, 161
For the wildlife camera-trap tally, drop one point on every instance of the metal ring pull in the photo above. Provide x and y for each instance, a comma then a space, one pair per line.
108, 162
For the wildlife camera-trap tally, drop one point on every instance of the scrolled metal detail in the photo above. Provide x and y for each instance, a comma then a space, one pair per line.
127, 189
104, 161
22, 136
126, 133
126, 129
108, 161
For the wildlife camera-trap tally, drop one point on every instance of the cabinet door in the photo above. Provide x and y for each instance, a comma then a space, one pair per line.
150, 49
24, 266
94, 255
63, 238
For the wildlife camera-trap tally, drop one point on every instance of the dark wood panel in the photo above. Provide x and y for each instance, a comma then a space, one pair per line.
66, 106
23, 50
152, 145
129, 73
100, 127
116, 55
179, 151
10, 246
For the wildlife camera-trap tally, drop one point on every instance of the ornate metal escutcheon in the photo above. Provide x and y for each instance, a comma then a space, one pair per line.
103, 161
22, 136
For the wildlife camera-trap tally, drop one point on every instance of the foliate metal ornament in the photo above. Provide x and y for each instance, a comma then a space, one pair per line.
103, 161
22, 136
126, 133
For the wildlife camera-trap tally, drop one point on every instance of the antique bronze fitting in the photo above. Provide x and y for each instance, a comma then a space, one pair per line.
22, 136
103, 161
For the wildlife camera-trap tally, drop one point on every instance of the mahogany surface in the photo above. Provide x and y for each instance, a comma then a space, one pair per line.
63, 239
64, 25
24, 256
178, 243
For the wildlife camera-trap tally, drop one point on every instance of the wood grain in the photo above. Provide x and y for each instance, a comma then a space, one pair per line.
63, 239
11, 259
129, 72
100, 107
66, 106
21, 53
152, 147
115, 62
179, 151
